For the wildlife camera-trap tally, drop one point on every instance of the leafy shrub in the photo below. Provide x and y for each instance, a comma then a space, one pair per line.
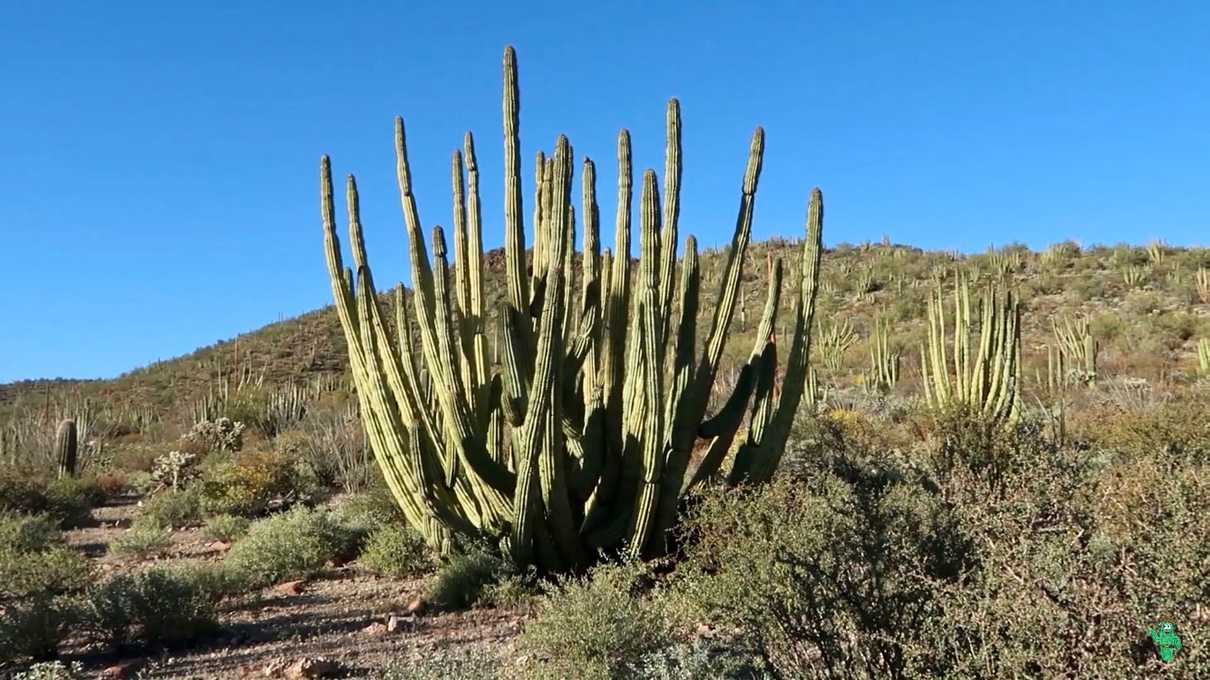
294, 544
443, 665
370, 510
248, 484
228, 528
145, 538
396, 551
32, 628
27, 533
52, 570
462, 581
67, 500
52, 670
595, 627
158, 607
174, 509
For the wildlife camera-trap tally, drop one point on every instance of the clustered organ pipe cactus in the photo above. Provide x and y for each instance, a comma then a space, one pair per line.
986, 383
581, 442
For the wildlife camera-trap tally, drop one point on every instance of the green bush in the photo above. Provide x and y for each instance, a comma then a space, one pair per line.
52, 670
157, 607
249, 483
443, 665
294, 544
371, 510
146, 538
228, 528
599, 626
397, 551
463, 580
27, 533
51, 571
32, 628
175, 509
68, 500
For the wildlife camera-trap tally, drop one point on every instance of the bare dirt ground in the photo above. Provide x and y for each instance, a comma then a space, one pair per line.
343, 617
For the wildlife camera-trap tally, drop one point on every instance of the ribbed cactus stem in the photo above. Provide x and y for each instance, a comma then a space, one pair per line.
66, 448
574, 442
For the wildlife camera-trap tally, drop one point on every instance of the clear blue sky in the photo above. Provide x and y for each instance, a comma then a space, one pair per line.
159, 161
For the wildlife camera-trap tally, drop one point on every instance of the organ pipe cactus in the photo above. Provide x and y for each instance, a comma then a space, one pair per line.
66, 448
883, 373
987, 382
580, 442
1077, 345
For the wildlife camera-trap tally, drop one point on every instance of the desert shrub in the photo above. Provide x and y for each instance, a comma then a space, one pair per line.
112, 483
294, 544
598, 626
395, 550
694, 661
370, 510
174, 509
144, 539
52, 670
67, 500
511, 590
250, 483
335, 446
27, 533
463, 579
227, 528
32, 628
51, 570
157, 607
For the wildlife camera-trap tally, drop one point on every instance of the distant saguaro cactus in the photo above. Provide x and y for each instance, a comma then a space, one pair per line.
580, 445
67, 448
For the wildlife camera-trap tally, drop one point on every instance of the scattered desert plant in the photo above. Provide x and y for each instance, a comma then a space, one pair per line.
465, 577
156, 607
397, 551
598, 626
228, 528
174, 509
295, 544
144, 539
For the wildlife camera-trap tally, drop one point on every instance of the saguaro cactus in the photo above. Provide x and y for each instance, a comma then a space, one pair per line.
66, 448
580, 444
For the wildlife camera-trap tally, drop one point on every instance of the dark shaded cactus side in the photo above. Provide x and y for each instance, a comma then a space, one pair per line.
579, 444
67, 448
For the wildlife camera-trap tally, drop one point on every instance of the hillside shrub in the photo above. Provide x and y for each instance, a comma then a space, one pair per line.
250, 483
155, 607
465, 578
396, 551
295, 544
599, 626
228, 528
145, 538
174, 509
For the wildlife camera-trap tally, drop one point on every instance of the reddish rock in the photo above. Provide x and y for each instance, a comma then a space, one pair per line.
123, 669
317, 667
290, 588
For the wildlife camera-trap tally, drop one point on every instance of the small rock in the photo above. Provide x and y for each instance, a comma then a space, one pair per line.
417, 606
122, 669
290, 588
316, 667
219, 546
395, 621
376, 630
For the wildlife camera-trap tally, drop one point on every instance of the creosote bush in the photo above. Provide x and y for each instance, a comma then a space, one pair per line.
397, 551
465, 578
598, 626
157, 607
294, 544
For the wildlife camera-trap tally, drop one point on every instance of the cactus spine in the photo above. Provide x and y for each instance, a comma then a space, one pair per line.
579, 443
66, 448
987, 383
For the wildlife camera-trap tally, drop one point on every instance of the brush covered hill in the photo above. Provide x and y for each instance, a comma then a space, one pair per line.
1147, 307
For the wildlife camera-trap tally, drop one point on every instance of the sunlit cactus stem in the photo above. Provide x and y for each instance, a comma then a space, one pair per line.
574, 442
67, 448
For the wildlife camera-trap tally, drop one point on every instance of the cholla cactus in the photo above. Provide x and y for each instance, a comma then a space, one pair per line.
986, 383
173, 469
223, 434
581, 443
